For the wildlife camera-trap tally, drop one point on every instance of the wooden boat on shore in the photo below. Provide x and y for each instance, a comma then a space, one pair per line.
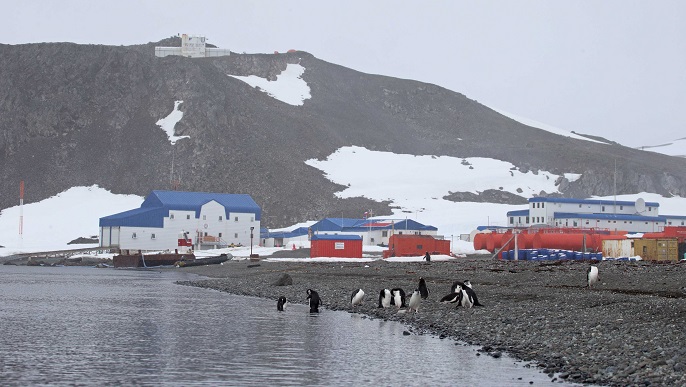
150, 260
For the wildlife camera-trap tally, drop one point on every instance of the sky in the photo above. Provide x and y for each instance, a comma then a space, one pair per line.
52, 223
610, 68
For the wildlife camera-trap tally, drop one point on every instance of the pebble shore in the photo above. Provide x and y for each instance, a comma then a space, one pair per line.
628, 330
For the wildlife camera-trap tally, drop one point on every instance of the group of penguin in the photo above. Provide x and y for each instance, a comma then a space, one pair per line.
461, 293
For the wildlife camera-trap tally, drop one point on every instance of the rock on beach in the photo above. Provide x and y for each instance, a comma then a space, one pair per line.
629, 329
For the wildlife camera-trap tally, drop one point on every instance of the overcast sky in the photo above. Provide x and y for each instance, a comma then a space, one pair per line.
615, 69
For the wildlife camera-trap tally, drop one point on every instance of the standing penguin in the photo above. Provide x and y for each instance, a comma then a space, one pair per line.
385, 298
470, 291
592, 275
314, 300
465, 300
422, 288
427, 257
398, 298
281, 304
357, 297
415, 300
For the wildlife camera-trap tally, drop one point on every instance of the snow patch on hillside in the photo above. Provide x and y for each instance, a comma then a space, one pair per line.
675, 148
169, 122
546, 127
289, 86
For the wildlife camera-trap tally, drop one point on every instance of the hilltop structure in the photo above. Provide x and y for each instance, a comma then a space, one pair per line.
192, 46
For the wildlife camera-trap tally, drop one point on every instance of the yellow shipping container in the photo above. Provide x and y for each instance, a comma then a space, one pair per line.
665, 249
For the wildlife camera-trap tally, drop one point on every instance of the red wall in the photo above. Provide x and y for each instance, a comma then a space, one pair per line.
327, 248
416, 245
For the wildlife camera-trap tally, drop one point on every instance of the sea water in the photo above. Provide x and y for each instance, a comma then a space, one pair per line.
88, 326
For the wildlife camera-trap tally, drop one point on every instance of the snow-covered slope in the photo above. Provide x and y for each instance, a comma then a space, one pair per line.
415, 184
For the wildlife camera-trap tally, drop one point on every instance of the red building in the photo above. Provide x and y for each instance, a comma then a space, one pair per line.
338, 246
400, 245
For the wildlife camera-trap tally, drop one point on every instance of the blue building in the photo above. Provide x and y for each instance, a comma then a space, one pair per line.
615, 215
169, 220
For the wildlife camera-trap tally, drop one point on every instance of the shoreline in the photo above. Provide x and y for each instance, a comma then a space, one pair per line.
627, 330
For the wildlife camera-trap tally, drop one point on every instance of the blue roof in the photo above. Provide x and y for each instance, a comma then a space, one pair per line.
300, 231
640, 218
336, 237
518, 213
362, 225
589, 201
157, 204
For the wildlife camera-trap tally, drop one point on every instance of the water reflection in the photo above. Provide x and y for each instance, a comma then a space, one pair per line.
70, 325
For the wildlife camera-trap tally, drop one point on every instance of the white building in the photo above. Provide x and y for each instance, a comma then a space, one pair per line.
638, 216
192, 46
169, 219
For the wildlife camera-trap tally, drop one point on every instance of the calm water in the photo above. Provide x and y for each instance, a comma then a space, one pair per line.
78, 325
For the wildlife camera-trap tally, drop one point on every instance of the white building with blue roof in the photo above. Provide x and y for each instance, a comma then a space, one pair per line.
638, 216
204, 219
372, 231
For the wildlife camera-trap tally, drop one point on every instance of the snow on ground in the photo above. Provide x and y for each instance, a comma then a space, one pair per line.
419, 195
289, 86
169, 122
675, 148
52, 223
546, 127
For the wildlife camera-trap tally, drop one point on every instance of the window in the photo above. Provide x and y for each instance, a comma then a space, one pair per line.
152, 236
171, 216
252, 219
235, 235
188, 216
372, 240
511, 219
384, 234
133, 236
587, 222
220, 235
204, 217
579, 205
420, 247
542, 205
400, 233
621, 207
235, 219
650, 209
527, 219
220, 218
602, 209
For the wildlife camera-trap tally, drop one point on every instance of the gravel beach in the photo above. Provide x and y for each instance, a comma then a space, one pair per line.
629, 329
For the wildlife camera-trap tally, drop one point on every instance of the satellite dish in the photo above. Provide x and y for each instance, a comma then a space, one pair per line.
640, 205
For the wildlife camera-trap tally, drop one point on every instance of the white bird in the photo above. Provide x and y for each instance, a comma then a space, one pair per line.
415, 300
385, 298
592, 275
357, 297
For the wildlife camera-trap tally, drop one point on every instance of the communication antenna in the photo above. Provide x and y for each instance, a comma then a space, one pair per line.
615, 188
21, 209
640, 206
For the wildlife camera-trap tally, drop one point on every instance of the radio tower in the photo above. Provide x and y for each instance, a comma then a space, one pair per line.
21, 209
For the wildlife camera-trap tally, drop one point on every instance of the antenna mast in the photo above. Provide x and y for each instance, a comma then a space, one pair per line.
21, 209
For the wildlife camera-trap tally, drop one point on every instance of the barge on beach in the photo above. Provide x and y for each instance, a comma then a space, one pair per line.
148, 260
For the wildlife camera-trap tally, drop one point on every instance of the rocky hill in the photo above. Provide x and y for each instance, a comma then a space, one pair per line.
77, 115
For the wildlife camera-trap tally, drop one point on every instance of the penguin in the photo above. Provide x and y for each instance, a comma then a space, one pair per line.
465, 300
398, 298
357, 297
385, 298
592, 275
422, 288
314, 300
456, 287
451, 298
281, 304
415, 300
470, 291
